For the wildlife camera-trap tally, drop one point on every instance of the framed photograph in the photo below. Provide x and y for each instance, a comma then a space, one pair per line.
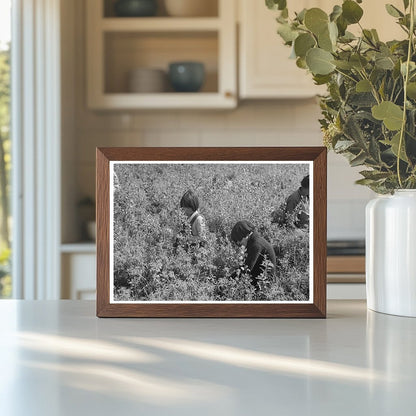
211, 232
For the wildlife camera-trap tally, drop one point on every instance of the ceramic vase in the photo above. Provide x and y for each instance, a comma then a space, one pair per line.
391, 253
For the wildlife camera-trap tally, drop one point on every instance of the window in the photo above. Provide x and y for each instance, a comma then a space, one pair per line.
5, 147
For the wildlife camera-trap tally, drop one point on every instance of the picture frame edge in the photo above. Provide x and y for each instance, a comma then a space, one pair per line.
105, 155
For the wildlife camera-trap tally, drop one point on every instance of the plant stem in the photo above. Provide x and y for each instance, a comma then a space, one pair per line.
406, 79
346, 75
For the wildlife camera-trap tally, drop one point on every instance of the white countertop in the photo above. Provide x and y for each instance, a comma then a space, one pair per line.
57, 358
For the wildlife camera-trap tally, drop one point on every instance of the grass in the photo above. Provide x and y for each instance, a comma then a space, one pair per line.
154, 260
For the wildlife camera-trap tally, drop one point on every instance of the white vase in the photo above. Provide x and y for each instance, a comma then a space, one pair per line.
391, 253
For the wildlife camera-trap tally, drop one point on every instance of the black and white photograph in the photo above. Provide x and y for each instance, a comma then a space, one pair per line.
211, 232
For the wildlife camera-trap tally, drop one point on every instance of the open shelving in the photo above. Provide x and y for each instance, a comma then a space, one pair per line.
117, 45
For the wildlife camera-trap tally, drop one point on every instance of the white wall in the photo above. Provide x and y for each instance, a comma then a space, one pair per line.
255, 123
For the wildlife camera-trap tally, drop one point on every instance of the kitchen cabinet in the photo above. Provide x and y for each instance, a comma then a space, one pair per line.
118, 45
265, 69
346, 275
78, 262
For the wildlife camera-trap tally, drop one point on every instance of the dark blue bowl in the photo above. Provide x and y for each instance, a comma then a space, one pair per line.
135, 8
186, 76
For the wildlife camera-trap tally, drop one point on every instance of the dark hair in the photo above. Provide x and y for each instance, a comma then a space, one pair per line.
189, 200
305, 182
240, 230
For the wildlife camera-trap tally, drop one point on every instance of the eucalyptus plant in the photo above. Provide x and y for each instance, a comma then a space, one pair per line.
369, 111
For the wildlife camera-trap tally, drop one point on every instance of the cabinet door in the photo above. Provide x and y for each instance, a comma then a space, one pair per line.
376, 17
116, 46
265, 68
78, 276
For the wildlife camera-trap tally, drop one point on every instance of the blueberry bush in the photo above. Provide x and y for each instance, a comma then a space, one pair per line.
157, 259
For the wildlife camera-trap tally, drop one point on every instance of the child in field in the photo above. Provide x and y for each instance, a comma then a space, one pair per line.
190, 205
258, 249
295, 207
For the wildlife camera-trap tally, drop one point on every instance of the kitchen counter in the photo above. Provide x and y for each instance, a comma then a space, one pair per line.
57, 358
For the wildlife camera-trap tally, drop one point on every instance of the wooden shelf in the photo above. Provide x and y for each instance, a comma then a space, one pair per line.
160, 24
197, 100
346, 269
117, 45
84, 247
346, 264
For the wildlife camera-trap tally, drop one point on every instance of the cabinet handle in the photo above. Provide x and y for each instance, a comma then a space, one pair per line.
229, 94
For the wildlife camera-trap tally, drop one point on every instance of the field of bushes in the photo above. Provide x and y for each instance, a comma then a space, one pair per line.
154, 260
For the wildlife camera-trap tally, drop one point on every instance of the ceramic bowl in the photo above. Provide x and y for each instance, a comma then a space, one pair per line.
191, 8
135, 8
147, 80
186, 76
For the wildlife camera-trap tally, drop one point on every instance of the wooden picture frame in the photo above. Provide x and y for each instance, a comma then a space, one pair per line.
111, 160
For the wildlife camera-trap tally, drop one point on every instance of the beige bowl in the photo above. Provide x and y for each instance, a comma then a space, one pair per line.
191, 8
147, 80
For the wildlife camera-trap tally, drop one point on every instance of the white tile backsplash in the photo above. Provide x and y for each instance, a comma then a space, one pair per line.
346, 219
258, 123
253, 123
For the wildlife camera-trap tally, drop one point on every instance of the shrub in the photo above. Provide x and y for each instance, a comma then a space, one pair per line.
155, 256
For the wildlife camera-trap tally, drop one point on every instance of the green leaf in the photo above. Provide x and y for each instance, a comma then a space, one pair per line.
358, 61
363, 86
282, 20
336, 12
374, 174
365, 182
388, 112
343, 145
375, 35
406, 4
374, 150
301, 63
412, 67
382, 89
394, 143
396, 70
333, 32
362, 99
321, 79
325, 42
316, 20
411, 90
358, 160
276, 4
303, 43
368, 36
287, 33
342, 25
384, 62
319, 61
353, 131
347, 37
393, 11
351, 11
301, 15
344, 65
